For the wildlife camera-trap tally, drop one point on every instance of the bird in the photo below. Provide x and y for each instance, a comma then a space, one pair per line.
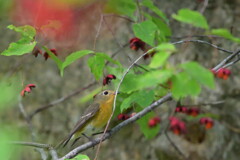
94, 117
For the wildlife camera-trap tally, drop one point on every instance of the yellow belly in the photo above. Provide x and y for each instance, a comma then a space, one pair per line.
102, 116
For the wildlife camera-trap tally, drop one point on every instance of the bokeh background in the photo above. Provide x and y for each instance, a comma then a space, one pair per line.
72, 25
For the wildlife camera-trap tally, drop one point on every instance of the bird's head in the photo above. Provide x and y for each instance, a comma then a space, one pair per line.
105, 96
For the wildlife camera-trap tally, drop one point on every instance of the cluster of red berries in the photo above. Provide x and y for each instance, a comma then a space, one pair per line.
208, 122
108, 78
189, 111
177, 126
37, 51
222, 73
28, 89
153, 122
136, 44
124, 117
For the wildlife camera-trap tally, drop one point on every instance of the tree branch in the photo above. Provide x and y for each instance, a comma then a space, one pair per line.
203, 42
114, 130
60, 100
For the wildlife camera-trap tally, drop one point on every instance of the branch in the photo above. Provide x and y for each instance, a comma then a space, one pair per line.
203, 42
96, 141
32, 144
60, 100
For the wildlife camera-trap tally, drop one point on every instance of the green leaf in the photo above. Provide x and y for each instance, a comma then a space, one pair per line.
163, 51
145, 31
183, 85
200, 74
165, 30
80, 157
96, 64
106, 57
147, 131
191, 17
55, 59
142, 98
225, 33
150, 5
25, 45
73, 57
133, 82
124, 7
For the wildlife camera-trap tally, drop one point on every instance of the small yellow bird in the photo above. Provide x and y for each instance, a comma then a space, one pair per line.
95, 116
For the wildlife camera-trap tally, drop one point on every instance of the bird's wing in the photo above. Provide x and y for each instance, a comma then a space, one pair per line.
88, 115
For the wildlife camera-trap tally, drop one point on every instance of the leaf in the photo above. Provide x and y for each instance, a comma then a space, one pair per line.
150, 5
124, 7
73, 57
134, 82
163, 51
145, 31
143, 123
142, 98
106, 57
80, 157
183, 85
225, 33
96, 64
165, 30
25, 45
55, 59
194, 18
200, 74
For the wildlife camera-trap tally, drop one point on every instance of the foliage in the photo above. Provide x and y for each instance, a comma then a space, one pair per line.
25, 44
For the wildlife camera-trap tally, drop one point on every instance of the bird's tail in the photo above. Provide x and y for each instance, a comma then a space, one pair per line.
64, 142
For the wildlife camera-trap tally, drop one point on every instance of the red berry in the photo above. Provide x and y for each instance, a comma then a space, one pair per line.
122, 117
177, 126
208, 122
36, 51
108, 78
223, 73
152, 123
181, 109
136, 43
28, 89
54, 51
193, 111
157, 119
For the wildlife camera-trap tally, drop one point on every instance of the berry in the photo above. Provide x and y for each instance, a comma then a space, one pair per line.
54, 51
222, 73
108, 78
193, 111
36, 51
152, 123
157, 119
177, 126
181, 109
122, 117
136, 43
208, 122
28, 89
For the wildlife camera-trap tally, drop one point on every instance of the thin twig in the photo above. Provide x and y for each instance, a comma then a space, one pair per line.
205, 4
114, 130
32, 144
60, 100
203, 42
174, 146
98, 32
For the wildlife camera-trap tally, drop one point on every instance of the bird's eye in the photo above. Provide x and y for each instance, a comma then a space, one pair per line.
105, 92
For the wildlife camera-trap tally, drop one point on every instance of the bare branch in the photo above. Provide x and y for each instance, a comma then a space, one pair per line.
31, 144
203, 42
60, 100
107, 135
